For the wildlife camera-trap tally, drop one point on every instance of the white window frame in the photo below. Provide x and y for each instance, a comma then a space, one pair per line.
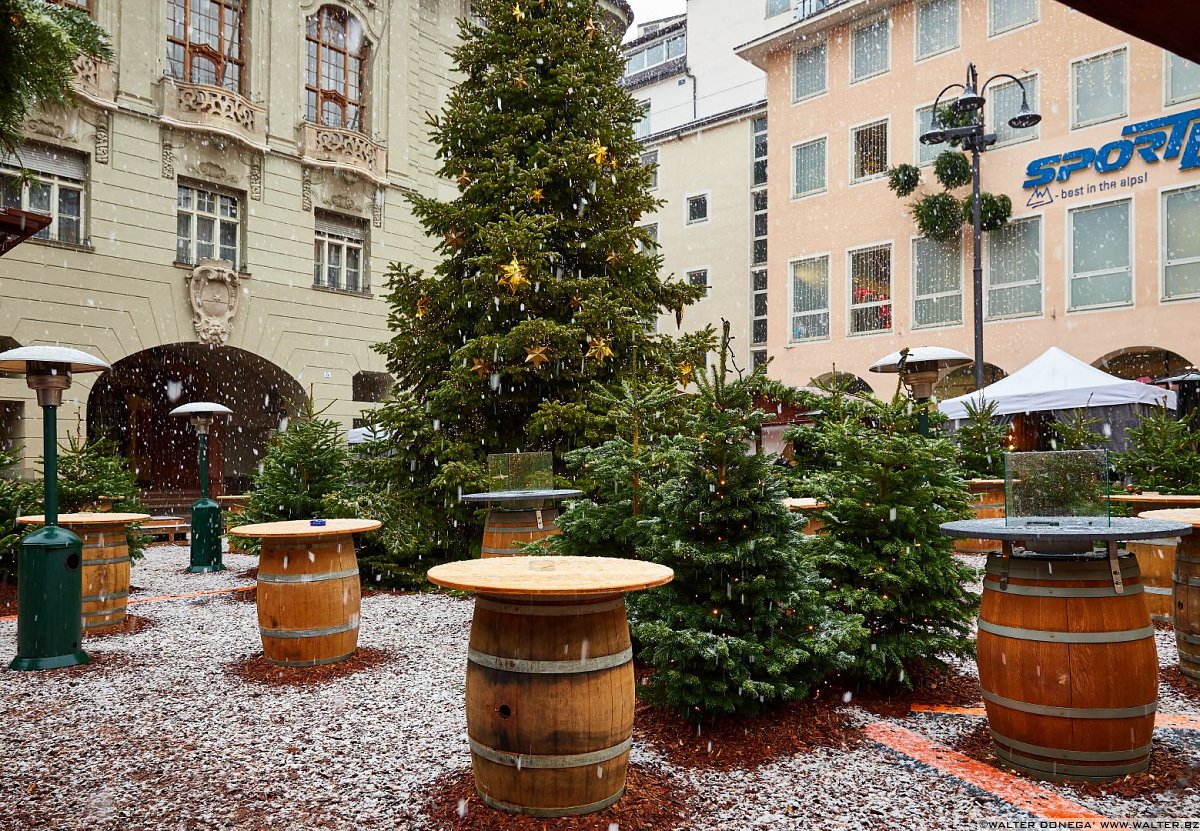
218, 220
993, 32
1070, 255
646, 51
642, 160
1168, 101
1028, 133
754, 294
823, 44
917, 56
825, 173
344, 241
917, 129
769, 14
687, 208
1075, 62
55, 182
642, 248
851, 306
854, 31
792, 314
1163, 193
1040, 282
962, 294
706, 271
886, 121
638, 131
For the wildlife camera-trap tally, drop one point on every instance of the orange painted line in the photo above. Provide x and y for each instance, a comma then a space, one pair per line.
1020, 793
8, 618
1174, 722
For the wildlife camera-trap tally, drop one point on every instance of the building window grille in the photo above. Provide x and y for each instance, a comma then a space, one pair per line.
50, 181
870, 151
1014, 272
335, 74
338, 253
204, 42
810, 299
937, 282
871, 290
1101, 266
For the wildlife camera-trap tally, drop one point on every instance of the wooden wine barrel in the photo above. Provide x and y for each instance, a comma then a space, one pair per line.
550, 703
987, 498
1068, 668
308, 599
1187, 607
504, 529
1156, 559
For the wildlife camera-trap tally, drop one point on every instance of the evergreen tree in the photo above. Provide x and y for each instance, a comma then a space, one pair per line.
881, 548
546, 284
92, 474
1163, 454
16, 498
302, 467
39, 43
1075, 432
742, 625
981, 442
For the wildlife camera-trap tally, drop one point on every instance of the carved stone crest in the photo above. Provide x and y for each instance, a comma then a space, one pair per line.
213, 288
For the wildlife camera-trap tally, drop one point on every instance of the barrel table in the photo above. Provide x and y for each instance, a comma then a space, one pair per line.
308, 593
550, 678
1065, 647
1186, 591
1156, 558
987, 500
521, 516
808, 506
105, 564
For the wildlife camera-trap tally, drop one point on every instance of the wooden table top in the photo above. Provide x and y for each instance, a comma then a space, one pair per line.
1157, 498
1188, 515
86, 518
803, 503
550, 576
300, 528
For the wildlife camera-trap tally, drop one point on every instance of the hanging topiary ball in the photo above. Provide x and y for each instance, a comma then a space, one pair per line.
953, 169
938, 216
904, 179
994, 211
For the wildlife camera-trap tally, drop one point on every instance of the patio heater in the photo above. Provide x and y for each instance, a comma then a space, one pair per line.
206, 513
920, 369
50, 587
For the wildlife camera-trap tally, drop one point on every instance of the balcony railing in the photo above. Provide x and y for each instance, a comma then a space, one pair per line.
344, 149
807, 8
213, 109
94, 80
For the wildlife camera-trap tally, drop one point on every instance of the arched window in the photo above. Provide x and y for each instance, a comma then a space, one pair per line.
204, 42
335, 69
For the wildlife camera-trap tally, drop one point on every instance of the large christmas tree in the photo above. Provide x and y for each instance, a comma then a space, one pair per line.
546, 283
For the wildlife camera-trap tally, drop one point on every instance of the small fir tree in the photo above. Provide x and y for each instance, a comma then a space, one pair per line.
1163, 454
546, 283
92, 476
881, 549
1075, 431
980, 440
302, 467
742, 626
17, 498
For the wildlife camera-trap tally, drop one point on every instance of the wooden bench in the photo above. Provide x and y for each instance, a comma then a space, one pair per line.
170, 528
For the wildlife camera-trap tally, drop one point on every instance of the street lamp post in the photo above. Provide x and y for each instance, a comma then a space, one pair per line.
973, 137
920, 369
49, 561
206, 513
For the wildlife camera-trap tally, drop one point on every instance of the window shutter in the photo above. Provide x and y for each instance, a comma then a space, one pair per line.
341, 226
51, 160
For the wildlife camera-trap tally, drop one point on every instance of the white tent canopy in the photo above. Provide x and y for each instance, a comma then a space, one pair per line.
361, 435
1058, 381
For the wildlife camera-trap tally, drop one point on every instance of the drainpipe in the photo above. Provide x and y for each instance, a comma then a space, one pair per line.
688, 74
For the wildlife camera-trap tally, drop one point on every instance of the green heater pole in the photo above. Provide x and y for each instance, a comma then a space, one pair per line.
50, 579
206, 515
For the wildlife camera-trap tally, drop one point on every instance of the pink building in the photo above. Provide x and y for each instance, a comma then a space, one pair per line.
1102, 255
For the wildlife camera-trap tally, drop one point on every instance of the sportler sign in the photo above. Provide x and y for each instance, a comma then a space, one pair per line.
1159, 140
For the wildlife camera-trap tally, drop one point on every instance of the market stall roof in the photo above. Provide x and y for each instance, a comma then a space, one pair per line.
1171, 24
360, 435
17, 226
1058, 381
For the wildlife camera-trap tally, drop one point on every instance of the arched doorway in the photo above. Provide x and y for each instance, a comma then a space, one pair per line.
1140, 362
131, 404
961, 381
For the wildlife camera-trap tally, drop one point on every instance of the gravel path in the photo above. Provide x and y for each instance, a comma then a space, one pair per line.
158, 734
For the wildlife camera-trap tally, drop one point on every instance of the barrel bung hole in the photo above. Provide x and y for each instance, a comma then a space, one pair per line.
505, 711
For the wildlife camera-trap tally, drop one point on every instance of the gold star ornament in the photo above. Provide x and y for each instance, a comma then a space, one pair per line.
590, 28
422, 308
686, 373
464, 178
517, 14
600, 349
520, 83
536, 355
481, 367
613, 257
454, 239
599, 153
513, 275
537, 197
